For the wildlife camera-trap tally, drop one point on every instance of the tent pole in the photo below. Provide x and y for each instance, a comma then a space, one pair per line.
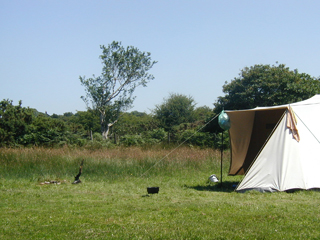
221, 158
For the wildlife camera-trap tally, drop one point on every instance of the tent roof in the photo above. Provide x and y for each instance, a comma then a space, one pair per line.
313, 100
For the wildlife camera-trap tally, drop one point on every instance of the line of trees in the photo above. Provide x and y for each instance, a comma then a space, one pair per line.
172, 122
176, 120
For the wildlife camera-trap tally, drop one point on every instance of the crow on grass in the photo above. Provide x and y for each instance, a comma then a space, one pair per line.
77, 178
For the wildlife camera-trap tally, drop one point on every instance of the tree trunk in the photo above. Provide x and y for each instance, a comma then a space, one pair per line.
105, 128
105, 133
115, 138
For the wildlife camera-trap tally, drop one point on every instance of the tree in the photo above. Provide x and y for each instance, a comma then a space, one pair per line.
123, 70
202, 114
89, 120
176, 109
265, 85
14, 121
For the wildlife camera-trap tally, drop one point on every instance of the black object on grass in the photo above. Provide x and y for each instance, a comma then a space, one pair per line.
152, 190
77, 178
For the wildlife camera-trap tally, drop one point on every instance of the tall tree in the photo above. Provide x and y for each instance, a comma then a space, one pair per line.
176, 109
123, 70
265, 85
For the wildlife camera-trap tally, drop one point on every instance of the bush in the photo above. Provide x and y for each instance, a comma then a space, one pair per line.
193, 137
155, 136
132, 140
97, 137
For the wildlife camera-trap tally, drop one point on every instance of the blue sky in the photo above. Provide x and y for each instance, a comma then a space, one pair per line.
46, 45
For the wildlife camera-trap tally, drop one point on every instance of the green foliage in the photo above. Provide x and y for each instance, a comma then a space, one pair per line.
53, 131
195, 138
175, 110
14, 121
88, 119
74, 130
27, 127
132, 140
192, 137
218, 144
134, 123
265, 85
201, 114
123, 70
158, 134
152, 137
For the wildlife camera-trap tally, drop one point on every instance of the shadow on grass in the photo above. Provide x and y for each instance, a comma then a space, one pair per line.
218, 187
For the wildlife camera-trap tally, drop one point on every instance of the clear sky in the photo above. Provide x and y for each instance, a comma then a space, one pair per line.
45, 45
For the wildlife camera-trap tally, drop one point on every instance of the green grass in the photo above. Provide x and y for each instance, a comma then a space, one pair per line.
112, 200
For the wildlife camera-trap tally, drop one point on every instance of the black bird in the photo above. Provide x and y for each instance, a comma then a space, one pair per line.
77, 178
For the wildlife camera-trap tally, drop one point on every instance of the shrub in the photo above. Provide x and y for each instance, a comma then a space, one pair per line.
132, 140
193, 137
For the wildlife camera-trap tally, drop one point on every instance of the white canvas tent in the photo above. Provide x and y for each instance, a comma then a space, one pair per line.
273, 152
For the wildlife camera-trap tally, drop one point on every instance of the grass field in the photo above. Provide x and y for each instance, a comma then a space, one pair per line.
112, 200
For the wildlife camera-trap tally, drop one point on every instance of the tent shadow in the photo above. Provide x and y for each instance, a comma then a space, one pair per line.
218, 187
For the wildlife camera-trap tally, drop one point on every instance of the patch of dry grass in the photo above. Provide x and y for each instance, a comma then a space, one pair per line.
136, 153
44, 163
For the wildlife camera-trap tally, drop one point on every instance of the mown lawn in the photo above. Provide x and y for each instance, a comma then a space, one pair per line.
112, 200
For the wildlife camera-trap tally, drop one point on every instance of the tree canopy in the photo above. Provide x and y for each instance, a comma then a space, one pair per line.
111, 93
176, 109
265, 85
14, 121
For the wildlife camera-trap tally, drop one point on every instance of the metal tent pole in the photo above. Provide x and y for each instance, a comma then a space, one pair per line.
221, 158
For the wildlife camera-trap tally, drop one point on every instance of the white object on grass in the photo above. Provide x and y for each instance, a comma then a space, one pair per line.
213, 178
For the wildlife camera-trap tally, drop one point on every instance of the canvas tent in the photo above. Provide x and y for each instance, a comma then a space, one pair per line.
274, 152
